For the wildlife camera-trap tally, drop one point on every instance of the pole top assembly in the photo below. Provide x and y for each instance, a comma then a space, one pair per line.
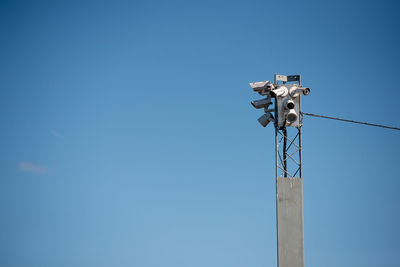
286, 91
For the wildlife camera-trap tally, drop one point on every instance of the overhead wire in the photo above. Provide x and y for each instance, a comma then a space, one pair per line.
352, 121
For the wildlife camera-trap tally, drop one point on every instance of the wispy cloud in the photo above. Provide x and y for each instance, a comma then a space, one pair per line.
26, 166
56, 134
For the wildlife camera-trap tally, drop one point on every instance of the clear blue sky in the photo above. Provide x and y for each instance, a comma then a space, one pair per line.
128, 138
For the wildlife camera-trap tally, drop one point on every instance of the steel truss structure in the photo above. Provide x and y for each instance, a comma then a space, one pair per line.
288, 139
288, 152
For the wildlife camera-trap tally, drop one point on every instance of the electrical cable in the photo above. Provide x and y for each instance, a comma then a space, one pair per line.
359, 122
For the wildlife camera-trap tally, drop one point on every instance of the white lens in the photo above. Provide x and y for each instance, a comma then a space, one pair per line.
291, 116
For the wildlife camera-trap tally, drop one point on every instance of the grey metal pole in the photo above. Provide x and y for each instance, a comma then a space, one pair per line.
276, 191
284, 154
289, 204
288, 162
300, 139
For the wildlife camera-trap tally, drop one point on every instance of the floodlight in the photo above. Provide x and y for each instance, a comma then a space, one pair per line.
265, 119
262, 103
263, 88
279, 92
291, 116
257, 86
295, 91
289, 104
287, 91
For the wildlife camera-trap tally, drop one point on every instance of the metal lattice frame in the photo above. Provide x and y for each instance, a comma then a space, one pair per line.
288, 153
